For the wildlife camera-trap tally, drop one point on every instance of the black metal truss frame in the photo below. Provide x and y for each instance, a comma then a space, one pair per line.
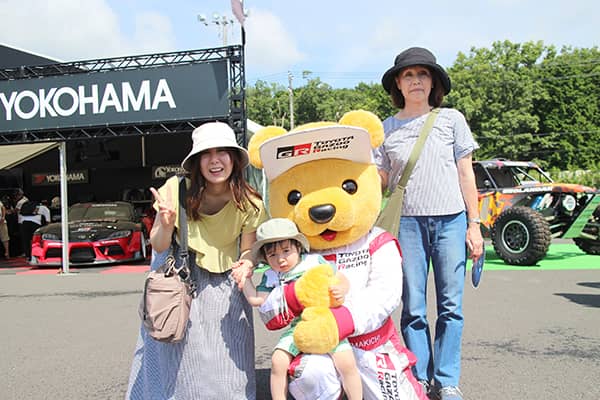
236, 89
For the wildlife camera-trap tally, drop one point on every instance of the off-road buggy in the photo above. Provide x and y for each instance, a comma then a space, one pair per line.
522, 210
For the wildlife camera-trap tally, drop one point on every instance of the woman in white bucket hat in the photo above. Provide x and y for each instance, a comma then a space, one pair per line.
216, 358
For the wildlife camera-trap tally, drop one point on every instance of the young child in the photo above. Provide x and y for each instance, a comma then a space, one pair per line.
284, 249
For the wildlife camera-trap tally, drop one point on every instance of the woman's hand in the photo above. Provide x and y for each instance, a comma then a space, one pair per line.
244, 267
164, 223
166, 212
474, 242
242, 270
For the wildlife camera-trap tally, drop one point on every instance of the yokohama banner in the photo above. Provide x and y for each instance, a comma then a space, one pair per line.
166, 93
53, 178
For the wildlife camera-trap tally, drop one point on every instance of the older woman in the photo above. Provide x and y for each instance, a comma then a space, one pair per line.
439, 214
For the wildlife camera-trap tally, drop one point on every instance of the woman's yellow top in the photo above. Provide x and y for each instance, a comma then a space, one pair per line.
215, 238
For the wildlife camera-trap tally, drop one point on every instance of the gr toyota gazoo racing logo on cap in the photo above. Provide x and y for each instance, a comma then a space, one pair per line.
318, 146
293, 151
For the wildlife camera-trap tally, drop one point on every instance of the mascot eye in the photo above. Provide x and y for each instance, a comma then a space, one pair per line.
294, 197
349, 186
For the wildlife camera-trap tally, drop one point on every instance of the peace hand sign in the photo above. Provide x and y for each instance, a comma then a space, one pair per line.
166, 211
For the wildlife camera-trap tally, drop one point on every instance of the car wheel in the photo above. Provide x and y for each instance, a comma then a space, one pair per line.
521, 236
588, 245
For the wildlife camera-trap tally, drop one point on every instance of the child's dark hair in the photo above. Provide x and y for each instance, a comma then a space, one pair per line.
270, 246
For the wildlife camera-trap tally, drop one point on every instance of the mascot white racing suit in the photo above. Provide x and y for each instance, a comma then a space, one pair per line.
372, 264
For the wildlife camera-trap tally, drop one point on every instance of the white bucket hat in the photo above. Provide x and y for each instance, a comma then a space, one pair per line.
212, 135
274, 230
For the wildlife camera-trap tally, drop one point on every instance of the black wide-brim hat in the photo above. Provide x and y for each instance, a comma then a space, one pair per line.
411, 57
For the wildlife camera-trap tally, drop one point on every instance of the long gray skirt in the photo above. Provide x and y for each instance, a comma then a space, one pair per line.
216, 358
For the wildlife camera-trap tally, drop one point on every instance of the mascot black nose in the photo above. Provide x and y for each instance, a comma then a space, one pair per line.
322, 214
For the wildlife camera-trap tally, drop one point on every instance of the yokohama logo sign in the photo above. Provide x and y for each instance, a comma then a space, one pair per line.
119, 97
66, 101
47, 178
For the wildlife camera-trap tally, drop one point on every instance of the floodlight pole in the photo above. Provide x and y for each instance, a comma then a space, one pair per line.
219, 20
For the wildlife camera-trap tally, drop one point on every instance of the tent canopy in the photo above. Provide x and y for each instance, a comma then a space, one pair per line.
13, 155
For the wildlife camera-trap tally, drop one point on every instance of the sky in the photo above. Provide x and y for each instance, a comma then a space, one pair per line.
340, 42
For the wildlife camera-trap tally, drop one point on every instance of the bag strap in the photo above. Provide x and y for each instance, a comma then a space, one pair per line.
183, 271
418, 147
183, 228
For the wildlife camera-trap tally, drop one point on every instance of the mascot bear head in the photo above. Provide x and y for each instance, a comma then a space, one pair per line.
321, 176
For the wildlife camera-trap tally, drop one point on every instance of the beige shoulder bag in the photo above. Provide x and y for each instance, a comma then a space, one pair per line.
168, 290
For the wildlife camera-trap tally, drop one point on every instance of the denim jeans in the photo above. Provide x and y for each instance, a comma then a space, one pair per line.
439, 240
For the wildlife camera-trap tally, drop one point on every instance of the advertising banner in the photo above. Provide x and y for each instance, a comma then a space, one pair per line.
166, 171
137, 96
53, 178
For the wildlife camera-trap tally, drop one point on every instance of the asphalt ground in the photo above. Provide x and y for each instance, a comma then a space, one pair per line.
530, 333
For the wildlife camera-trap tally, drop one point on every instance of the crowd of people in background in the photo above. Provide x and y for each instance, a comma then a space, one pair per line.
20, 217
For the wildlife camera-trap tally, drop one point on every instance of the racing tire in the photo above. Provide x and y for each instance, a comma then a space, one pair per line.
589, 246
521, 236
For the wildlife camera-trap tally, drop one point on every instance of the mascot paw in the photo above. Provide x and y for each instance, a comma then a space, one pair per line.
312, 289
317, 332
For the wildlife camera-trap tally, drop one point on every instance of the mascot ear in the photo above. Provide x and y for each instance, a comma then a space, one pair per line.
367, 120
259, 137
311, 125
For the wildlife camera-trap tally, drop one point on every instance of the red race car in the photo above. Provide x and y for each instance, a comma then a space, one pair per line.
99, 233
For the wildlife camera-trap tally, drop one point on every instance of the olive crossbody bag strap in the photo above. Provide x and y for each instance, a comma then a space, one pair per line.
418, 147
392, 202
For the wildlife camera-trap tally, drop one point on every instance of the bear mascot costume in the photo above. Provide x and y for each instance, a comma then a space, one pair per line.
322, 176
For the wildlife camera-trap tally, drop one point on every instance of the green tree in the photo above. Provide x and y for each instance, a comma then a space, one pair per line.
496, 90
530, 102
375, 99
570, 111
313, 102
268, 104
